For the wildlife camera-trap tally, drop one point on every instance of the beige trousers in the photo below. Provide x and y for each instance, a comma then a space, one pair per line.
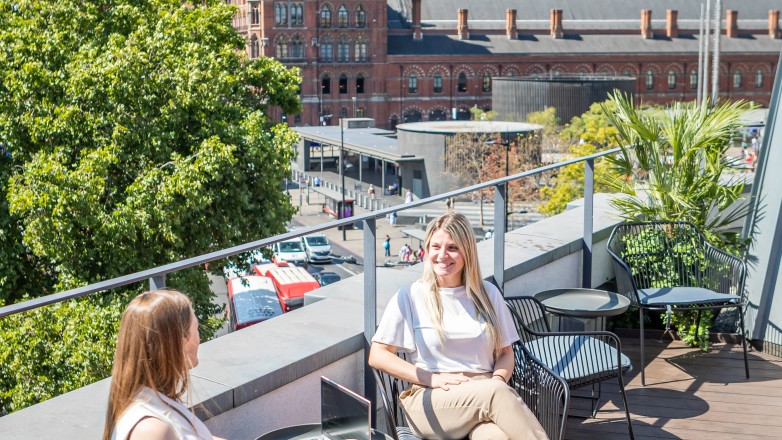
483, 409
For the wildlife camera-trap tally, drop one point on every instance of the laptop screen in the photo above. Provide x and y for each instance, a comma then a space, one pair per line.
344, 415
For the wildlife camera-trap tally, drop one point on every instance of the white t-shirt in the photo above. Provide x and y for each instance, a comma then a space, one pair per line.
406, 325
150, 404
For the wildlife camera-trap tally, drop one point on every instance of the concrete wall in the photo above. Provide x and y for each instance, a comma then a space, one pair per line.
266, 376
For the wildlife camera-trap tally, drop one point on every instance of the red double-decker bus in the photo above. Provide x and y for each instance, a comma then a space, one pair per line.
291, 282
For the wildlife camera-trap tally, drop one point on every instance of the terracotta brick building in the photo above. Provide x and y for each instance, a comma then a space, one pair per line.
408, 60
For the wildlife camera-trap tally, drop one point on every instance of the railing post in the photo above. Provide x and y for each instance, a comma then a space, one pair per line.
157, 282
589, 194
370, 304
499, 236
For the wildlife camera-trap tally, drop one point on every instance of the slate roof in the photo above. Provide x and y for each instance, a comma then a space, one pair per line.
480, 45
576, 14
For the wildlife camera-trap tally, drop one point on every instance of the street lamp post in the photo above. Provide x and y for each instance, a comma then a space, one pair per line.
354, 106
342, 173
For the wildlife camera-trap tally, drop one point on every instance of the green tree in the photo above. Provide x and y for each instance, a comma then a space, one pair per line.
587, 134
138, 135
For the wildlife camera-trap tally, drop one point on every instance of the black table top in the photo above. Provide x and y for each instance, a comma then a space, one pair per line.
584, 303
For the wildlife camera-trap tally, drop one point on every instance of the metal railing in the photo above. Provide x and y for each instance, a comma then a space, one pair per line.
157, 275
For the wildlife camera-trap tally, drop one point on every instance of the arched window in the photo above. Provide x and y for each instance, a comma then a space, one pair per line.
461, 83
437, 115
359, 84
325, 17
297, 14
343, 84
694, 79
297, 47
254, 47
412, 83
326, 52
281, 50
649, 80
671, 79
325, 85
361, 52
360, 112
280, 14
343, 19
361, 17
437, 83
486, 84
759, 78
412, 116
343, 52
255, 16
628, 73
737, 80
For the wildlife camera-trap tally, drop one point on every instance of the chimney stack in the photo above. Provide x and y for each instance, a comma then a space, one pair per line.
417, 35
510, 24
773, 24
646, 24
731, 23
671, 23
462, 30
556, 23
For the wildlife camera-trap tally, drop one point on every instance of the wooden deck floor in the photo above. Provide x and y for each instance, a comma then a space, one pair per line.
689, 395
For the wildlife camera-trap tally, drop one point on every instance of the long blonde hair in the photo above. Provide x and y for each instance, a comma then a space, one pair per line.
150, 351
460, 230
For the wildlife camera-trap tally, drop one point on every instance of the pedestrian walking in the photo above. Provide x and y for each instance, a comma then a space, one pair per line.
408, 197
392, 218
387, 246
371, 191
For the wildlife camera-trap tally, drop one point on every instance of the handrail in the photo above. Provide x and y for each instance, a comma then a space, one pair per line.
161, 271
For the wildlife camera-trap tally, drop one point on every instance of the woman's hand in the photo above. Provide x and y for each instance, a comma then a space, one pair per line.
446, 380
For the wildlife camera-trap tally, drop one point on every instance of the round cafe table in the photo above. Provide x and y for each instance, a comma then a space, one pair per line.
583, 303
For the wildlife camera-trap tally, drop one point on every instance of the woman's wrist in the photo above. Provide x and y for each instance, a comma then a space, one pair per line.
500, 376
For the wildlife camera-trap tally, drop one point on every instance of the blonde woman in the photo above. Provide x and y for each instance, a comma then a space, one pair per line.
157, 345
458, 332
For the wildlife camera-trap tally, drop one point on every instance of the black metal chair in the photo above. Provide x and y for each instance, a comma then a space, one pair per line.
579, 358
545, 393
668, 266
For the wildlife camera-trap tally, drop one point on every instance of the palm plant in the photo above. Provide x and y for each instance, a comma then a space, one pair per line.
672, 167
676, 168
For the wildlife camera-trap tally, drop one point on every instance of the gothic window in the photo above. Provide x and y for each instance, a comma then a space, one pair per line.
361, 17
280, 14
325, 17
343, 84
628, 73
342, 17
325, 85
737, 80
671, 79
759, 78
486, 84
649, 80
437, 83
343, 52
281, 50
437, 115
343, 112
412, 83
360, 112
461, 83
326, 52
360, 84
254, 47
255, 16
694, 79
361, 52
297, 47
297, 14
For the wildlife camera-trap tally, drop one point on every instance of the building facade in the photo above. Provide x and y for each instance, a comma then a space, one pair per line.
417, 60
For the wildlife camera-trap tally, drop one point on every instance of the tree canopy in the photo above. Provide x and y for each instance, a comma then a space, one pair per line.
137, 134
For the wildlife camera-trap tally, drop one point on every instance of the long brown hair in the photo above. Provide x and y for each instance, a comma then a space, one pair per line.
150, 351
458, 227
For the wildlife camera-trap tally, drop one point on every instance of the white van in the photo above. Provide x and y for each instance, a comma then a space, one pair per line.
317, 247
291, 251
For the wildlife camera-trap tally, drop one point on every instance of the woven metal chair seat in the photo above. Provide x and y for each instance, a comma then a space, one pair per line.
684, 296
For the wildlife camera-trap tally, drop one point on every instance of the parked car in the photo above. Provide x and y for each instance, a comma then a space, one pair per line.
291, 251
317, 247
251, 299
326, 278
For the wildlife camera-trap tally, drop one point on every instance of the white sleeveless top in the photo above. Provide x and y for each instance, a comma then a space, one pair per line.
150, 404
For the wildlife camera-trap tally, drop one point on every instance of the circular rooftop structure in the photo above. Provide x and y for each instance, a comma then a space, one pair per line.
454, 127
